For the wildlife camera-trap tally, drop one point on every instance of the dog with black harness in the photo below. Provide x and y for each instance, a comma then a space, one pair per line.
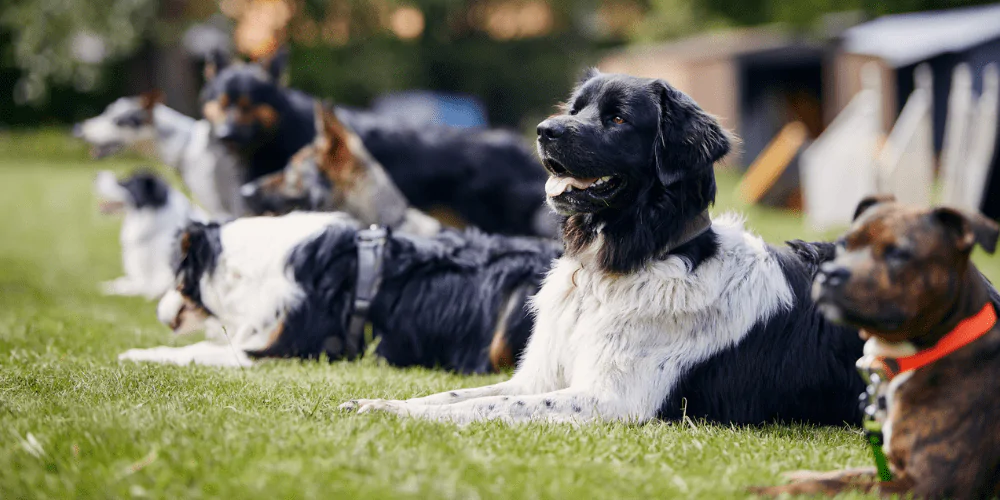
306, 285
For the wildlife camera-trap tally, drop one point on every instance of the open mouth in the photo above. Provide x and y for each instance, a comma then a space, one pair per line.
98, 151
558, 185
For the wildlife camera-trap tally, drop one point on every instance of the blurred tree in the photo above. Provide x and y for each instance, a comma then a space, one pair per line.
68, 41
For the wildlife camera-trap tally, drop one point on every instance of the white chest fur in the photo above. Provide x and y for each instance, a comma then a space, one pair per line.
599, 328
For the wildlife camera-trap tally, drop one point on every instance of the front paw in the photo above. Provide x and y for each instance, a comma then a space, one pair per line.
356, 404
395, 407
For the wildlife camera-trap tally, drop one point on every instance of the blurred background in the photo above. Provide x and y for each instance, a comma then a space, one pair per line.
777, 72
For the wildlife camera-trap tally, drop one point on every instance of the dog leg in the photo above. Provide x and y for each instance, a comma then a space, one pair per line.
203, 353
864, 479
566, 405
509, 387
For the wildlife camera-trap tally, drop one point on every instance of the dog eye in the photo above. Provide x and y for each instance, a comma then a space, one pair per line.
617, 120
892, 252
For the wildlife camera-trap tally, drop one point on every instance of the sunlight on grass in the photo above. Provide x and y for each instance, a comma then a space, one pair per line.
103, 429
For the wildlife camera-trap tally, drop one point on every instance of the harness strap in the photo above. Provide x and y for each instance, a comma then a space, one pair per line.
371, 253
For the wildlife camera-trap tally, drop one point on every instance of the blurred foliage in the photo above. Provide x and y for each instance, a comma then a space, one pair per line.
69, 58
67, 41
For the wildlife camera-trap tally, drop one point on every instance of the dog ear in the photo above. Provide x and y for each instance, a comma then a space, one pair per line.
216, 61
870, 201
587, 75
971, 228
149, 99
688, 139
277, 65
156, 189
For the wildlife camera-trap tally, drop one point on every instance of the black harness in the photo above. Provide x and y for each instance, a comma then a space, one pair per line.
371, 254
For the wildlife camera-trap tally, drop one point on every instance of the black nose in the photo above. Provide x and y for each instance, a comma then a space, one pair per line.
551, 129
836, 276
78, 130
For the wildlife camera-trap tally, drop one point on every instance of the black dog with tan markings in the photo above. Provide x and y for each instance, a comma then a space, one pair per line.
904, 277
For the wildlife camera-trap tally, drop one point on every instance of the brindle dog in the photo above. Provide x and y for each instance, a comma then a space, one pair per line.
903, 276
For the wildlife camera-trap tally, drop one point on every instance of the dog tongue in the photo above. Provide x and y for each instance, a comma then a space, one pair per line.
556, 186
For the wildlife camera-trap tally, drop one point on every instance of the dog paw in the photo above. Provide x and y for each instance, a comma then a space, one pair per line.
384, 405
356, 404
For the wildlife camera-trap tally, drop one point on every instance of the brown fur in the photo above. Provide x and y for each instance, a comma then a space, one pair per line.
945, 421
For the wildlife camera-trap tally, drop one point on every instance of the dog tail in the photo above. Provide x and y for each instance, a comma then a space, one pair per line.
813, 254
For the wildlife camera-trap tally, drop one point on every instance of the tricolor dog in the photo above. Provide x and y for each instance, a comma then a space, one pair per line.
903, 276
207, 167
487, 178
154, 214
310, 284
336, 173
656, 310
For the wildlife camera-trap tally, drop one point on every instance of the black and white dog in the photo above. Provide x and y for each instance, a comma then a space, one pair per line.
655, 310
154, 214
289, 286
207, 167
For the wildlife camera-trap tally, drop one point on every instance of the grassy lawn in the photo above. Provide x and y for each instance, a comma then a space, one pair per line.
76, 423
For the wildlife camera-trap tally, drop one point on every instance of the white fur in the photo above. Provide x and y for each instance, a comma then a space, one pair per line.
147, 238
208, 169
878, 347
250, 290
612, 347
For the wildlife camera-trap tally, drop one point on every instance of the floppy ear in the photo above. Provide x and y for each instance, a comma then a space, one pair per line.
277, 65
870, 201
687, 139
971, 228
156, 189
200, 246
216, 61
149, 99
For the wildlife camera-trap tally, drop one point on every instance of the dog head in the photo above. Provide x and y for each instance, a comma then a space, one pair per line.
125, 122
630, 158
198, 249
899, 269
620, 136
241, 100
317, 177
143, 189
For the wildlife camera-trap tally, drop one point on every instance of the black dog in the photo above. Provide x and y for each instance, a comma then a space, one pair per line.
656, 310
286, 287
489, 178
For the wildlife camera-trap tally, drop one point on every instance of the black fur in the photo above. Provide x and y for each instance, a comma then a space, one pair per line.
794, 367
438, 303
661, 157
146, 189
199, 250
489, 177
264, 150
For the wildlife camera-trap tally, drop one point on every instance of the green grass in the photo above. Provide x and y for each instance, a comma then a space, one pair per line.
105, 429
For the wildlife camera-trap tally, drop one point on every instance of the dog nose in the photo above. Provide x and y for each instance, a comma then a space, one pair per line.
78, 130
834, 276
551, 129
